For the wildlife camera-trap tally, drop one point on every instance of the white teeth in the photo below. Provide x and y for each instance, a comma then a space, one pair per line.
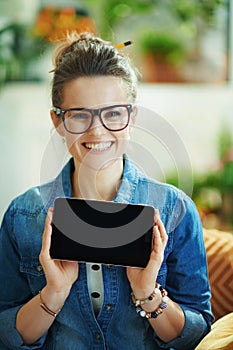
98, 146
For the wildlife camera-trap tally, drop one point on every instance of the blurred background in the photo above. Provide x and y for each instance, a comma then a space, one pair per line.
183, 50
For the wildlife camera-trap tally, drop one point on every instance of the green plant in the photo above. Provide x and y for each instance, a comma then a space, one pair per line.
18, 49
8, 62
164, 46
213, 190
110, 13
225, 143
188, 10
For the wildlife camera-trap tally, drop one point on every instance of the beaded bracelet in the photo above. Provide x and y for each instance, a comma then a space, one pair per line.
155, 292
158, 311
46, 309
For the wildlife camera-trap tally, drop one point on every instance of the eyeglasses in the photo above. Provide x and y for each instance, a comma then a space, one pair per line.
80, 120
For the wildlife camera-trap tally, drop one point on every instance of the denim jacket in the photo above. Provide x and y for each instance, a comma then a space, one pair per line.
183, 273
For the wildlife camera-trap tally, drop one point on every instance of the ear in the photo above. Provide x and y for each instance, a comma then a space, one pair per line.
57, 122
133, 118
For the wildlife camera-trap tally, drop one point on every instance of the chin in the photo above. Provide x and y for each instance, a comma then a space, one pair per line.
98, 162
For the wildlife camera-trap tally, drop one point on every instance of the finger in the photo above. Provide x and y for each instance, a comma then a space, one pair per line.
160, 226
156, 249
157, 239
156, 215
162, 231
46, 240
156, 234
49, 215
48, 227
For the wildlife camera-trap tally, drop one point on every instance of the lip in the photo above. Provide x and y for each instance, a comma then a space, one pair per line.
97, 146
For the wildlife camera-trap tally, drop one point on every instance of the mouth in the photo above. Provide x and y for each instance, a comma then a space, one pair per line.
98, 146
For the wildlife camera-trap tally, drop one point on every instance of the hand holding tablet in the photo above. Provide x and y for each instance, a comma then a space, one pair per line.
102, 232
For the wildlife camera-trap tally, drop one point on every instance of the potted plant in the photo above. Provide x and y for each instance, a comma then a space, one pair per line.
162, 54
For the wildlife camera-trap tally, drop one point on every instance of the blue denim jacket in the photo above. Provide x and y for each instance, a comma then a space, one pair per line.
117, 326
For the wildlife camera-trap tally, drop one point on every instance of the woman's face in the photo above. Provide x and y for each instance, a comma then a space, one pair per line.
98, 147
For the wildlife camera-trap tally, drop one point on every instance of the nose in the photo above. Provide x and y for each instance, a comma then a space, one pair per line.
97, 127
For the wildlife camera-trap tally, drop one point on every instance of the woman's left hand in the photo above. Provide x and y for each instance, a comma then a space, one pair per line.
142, 281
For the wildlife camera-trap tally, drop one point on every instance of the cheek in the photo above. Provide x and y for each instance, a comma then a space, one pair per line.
60, 128
72, 141
122, 141
124, 135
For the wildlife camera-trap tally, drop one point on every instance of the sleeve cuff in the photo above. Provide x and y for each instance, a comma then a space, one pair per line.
195, 328
9, 335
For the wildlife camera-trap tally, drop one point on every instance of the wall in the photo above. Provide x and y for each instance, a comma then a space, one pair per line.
178, 129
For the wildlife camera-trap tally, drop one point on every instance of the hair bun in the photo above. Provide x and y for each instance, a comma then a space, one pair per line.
68, 45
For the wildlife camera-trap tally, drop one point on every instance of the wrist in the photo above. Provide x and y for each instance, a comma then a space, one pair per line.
143, 293
47, 309
57, 291
153, 305
147, 298
53, 299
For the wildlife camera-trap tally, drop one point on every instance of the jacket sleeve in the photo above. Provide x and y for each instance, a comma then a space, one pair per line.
13, 286
187, 276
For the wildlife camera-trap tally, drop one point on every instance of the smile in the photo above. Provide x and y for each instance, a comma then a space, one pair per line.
98, 146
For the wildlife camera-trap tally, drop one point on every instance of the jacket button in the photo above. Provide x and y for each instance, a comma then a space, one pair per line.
95, 267
95, 295
108, 307
98, 336
39, 268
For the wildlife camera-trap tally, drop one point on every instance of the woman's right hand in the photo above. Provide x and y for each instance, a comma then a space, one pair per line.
60, 275
32, 320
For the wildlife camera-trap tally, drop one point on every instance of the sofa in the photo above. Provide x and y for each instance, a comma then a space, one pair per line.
219, 250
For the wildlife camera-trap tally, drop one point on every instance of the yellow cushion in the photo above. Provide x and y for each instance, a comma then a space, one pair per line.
220, 336
219, 250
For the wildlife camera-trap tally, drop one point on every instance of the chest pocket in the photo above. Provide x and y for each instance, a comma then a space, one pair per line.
34, 273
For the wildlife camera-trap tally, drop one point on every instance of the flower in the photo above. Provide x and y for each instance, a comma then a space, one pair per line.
53, 23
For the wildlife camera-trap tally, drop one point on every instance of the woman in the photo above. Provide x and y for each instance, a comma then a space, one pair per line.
52, 304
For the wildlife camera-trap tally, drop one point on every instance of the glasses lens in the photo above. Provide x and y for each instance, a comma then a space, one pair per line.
77, 121
115, 118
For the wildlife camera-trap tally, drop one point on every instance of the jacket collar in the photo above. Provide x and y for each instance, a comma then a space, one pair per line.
61, 186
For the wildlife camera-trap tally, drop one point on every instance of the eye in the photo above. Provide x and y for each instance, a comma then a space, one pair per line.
82, 116
112, 113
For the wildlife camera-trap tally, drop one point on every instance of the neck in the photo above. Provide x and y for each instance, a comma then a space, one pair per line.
100, 184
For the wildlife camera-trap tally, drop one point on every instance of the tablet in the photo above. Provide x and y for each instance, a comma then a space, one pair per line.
102, 232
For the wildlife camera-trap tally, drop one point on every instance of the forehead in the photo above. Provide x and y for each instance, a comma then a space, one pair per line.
94, 91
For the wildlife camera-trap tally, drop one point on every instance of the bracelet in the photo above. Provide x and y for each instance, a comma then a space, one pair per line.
46, 309
155, 292
158, 311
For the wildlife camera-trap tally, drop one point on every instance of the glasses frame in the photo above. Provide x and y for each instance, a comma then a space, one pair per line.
61, 112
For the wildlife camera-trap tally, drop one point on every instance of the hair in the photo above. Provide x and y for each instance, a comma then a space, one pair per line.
85, 55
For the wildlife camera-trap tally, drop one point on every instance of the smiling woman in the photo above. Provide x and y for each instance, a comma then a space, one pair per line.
89, 137
51, 303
